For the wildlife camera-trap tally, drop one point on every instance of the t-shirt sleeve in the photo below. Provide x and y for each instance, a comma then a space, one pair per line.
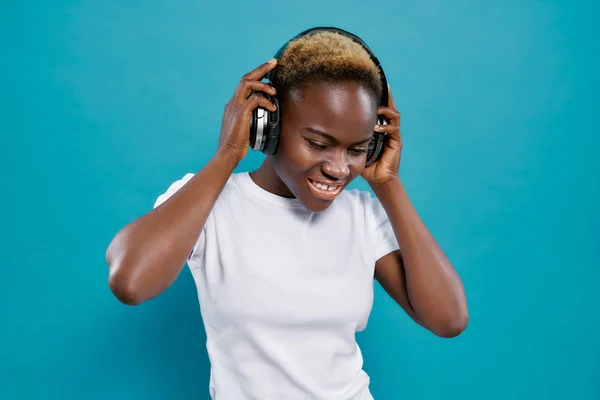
198, 249
381, 234
175, 186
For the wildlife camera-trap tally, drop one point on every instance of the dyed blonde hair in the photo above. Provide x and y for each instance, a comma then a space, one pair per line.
325, 56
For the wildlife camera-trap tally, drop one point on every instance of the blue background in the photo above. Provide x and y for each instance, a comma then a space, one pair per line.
104, 104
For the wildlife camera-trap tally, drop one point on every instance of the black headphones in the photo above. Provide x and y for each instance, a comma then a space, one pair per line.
265, 125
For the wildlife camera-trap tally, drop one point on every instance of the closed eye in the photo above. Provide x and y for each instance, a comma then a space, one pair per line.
323, 146
317, 145
358, 150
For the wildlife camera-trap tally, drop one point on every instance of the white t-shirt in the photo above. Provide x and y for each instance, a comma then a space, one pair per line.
283, 290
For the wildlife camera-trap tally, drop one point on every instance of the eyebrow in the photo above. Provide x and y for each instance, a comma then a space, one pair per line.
331, 138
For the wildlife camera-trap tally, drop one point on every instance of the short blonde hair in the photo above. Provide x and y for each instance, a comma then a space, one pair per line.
328, 57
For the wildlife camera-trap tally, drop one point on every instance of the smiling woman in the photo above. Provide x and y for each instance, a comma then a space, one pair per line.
329, 86
284, 257
325, 130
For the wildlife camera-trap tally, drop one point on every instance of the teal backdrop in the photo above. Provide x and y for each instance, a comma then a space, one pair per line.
104, 104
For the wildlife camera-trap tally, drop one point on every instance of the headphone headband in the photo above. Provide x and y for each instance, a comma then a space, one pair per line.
384, 88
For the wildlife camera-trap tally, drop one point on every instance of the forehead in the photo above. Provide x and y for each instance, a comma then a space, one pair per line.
347, 111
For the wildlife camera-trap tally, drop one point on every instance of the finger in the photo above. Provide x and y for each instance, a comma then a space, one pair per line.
261, 71
393, 132
391, 102
256, 100
246, 87
390, 114
392, 129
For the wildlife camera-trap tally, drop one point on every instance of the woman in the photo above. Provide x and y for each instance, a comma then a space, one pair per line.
284, 257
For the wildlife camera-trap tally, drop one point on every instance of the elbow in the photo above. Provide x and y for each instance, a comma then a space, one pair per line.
451, 331
121, 281
124, 288
452, 327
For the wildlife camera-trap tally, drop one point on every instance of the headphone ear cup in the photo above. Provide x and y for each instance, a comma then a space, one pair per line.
253, 128
260, 124
377, 143
375, 148
370, 147
273, 128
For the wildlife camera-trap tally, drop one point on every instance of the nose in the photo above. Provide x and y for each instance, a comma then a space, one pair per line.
336, 168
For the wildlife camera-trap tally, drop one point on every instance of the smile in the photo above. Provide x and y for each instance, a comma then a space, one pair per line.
324, 191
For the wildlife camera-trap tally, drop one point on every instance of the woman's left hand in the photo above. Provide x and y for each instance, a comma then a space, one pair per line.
388, 165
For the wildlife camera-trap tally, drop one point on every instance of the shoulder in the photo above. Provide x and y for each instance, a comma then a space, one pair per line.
357, 195
356, 198
177, 184
365, 203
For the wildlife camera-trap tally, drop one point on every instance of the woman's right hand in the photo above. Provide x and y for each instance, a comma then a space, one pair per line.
235, 127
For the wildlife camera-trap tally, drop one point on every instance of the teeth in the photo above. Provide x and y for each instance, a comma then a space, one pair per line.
324, 187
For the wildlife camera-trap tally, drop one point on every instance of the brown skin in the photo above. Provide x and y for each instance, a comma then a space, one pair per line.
149, 253
420, 278
347, 113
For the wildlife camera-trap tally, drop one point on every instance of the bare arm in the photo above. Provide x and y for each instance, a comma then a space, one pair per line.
420, 278
147, 255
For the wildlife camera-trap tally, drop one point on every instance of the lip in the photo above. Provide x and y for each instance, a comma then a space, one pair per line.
324, 194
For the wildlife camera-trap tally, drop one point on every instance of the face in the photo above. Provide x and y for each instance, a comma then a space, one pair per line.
325, 132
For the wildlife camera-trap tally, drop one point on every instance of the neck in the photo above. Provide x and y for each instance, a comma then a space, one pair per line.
266, 178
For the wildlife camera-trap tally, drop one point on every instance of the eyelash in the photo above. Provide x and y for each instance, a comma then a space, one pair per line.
319, 146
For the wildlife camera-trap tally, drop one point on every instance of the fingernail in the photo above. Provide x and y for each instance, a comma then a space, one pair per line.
272, 61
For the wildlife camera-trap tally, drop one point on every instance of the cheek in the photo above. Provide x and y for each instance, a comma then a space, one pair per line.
293, 153
290, 161
357, 166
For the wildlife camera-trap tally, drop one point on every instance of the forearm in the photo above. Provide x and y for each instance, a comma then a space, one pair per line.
434, 288
148, 254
